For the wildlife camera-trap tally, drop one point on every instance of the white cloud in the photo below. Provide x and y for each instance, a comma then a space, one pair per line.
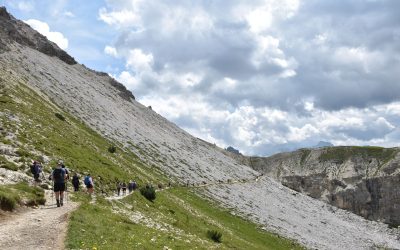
130, 81
123, 18
259, 20
138, 61
44, 29
111, 51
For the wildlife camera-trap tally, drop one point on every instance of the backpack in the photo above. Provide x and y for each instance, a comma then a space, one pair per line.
33, 171
58, 176
66, 171
87, 180
75, 179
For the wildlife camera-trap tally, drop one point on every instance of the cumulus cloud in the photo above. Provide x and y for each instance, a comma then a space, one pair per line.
265, 76
111, 51
44, 29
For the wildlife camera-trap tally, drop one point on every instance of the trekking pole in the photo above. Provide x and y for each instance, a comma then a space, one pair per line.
66, 192
52, 194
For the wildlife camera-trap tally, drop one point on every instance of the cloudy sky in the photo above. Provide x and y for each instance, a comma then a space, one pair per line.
262, 76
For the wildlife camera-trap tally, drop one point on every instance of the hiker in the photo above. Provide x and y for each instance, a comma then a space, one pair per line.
123, 188
58, 176
88, 181
75, 182
36, 169
119, 186
130, 186
66, 170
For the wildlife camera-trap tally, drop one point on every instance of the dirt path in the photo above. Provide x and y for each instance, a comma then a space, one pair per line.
41, 228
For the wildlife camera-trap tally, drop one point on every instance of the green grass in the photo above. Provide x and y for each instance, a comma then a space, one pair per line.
342, 154
4, 163
21, 193
304, 155
184, 219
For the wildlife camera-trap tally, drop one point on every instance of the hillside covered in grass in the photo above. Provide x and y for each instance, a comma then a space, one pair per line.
34, 128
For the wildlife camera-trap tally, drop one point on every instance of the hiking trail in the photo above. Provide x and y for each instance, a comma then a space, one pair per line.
42, 228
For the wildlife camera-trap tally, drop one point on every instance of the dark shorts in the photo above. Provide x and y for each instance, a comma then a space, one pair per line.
89, 186
59, 187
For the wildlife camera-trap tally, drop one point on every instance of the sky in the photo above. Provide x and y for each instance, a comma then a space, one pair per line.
262, 76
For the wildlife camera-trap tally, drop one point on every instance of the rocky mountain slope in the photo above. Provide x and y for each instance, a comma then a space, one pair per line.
104, 105
364, 180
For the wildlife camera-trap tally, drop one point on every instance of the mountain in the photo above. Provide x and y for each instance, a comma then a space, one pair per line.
363, 180
322, 144
53, 107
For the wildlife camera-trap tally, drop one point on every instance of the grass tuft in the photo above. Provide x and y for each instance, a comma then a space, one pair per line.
20, 193
214, 235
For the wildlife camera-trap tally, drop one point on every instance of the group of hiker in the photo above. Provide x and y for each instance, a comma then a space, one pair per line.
122, 186
60, 177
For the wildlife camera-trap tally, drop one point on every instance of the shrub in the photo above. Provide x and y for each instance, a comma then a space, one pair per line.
60, 116
148, 192
214, 235
8, 165
8, 201
112, 149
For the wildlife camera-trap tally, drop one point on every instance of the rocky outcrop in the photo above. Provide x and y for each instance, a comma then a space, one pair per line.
364, 180
12, 29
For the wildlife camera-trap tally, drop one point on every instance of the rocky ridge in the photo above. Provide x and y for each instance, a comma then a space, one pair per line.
363, 180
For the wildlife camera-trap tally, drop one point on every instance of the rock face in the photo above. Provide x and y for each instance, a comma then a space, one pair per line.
364, 180
14, 30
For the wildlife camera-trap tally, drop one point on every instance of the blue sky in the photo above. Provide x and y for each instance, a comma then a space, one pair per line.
262, 76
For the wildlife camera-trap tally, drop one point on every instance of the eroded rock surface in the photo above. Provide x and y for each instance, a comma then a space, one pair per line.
364, 180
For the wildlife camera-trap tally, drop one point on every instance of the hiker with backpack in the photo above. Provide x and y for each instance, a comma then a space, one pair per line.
75, 182
130, 186
119, 186
123, 188
58, 176
36, 169
88, 181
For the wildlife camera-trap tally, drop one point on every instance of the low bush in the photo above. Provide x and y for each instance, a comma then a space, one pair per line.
214, 235
60, 116
112, 149
148, 192
8, 201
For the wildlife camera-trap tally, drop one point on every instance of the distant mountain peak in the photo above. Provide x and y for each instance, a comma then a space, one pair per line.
322, 144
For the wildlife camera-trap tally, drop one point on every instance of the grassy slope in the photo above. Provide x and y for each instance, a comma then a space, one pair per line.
178, 218
11, 195
344, 153
183, 220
